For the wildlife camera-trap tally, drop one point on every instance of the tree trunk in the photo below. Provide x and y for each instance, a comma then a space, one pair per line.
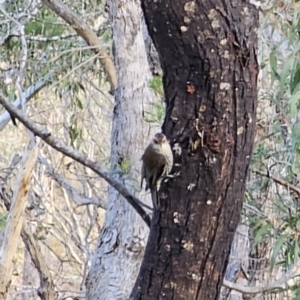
16, 216
123, 238
208, 56
238, 263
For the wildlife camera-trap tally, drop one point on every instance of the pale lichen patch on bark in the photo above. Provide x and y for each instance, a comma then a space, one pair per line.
240, 130
202, 108
176, 217
223, 42
188, 245
200, 38
225, 86
168, 247
212, 14
186, 20
191, 186
177, 149
215, 24
190, 7
249, 118
245, 11
195, 276
173, 285
183, 29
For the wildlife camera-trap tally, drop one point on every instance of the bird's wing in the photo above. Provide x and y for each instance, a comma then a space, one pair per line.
143, 174
159, 174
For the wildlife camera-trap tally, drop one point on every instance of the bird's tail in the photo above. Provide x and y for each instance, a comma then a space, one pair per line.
155, 199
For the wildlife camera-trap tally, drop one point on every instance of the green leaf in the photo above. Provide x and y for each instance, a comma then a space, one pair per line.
273, 61
3, 219
277, 247
264, 228
286, 69
156, 115
295, 80
296, 250
296, 135
273, 65
125, 166
156, 85
81, 86
294, 101
79, 103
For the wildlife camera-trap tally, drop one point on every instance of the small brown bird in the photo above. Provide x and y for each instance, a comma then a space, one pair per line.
157, 164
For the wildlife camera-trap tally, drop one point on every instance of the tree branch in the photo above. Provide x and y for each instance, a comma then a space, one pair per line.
88, 35
279, 181
46, 289
28, 94
73, 192
70, 152
254, 289
280, 284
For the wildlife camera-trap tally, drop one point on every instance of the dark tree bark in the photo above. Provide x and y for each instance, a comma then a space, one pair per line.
208, 56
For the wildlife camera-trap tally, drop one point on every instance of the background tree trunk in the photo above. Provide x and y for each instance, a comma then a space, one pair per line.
122, 240
238, 263
16, 216
208, 57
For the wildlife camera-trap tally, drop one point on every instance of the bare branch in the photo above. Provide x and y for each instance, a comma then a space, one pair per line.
88, 35
73, 192
280, 284
255, 289
30, 92
51, 39
16, 159
70, 152
46, 289
280, 181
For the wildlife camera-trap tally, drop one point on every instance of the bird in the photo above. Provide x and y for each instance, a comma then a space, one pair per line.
157, 164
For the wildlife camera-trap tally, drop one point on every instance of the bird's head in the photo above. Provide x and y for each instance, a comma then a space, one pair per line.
159, 140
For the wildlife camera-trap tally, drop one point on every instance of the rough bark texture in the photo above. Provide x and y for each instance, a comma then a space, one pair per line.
123, 238
208, 56
152, 55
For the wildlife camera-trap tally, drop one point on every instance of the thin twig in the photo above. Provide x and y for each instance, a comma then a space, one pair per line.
279, 181
88, 35
30, 92
72, 191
